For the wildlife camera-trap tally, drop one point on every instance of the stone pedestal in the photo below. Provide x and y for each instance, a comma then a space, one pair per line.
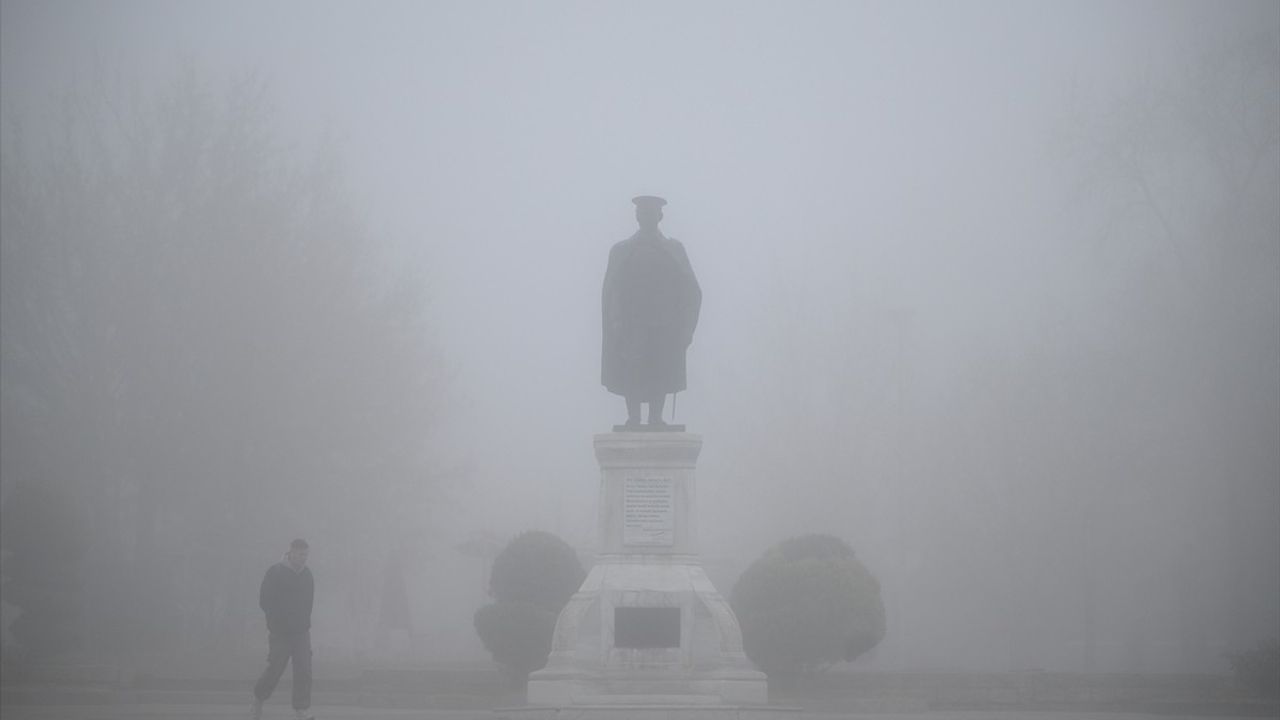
647, 635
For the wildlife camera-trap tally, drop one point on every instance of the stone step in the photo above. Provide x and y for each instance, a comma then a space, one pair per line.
647, 699
649, 712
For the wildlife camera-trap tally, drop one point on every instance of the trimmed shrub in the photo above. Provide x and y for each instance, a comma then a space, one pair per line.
806, 604
518, 635
1258, 670
44, 535
532, 579
538, 568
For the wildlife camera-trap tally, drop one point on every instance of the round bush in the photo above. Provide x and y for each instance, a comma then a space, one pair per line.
538, 568
532, 579
1257, 671
44, 536
806, 604
518, 635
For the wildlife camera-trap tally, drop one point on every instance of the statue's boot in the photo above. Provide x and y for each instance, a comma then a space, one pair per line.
655, 411
633, 413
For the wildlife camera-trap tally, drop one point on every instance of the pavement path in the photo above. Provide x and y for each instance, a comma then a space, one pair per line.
338, 712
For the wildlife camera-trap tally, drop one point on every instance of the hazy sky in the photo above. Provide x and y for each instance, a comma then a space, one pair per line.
825, 162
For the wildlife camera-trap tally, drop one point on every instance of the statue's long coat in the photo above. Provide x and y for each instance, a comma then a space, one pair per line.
651, 301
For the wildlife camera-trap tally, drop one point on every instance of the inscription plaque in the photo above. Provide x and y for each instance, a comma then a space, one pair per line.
646, 627
648, 516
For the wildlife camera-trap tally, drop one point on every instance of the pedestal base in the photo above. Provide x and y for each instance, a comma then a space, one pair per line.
667, 428
647, 629
647, 635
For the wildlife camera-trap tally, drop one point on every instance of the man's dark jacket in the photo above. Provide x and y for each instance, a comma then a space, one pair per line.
286, 597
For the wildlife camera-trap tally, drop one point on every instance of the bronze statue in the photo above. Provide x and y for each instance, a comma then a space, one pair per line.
651, 301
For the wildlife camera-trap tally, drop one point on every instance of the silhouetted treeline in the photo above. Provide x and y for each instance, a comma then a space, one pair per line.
1087, 476
197, 350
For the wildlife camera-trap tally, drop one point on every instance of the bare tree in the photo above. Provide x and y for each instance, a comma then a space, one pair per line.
197, 343
1176, 180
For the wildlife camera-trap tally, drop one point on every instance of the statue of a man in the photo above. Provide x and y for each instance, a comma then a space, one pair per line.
650, 306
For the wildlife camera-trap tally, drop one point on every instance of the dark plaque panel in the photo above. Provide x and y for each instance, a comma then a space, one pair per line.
646, 627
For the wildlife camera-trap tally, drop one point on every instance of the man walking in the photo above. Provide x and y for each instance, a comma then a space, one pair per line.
287, 594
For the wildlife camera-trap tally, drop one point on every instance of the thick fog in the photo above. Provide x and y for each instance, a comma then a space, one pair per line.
991, 291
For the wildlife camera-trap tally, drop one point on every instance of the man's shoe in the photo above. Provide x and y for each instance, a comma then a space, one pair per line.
303, 714
257, 709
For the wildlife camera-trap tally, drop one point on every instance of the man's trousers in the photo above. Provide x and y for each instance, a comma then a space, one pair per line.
282, 648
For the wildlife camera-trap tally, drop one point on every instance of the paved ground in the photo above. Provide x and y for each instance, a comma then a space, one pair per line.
282, 712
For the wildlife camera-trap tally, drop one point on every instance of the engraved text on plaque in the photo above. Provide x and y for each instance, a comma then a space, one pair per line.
647, 511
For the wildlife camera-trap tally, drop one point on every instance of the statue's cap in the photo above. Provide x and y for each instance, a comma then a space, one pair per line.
649, 201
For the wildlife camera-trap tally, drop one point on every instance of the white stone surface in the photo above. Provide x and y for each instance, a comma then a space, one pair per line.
645, 710
649, 562
632, 460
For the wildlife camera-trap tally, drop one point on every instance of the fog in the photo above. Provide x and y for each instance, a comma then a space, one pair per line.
991, 291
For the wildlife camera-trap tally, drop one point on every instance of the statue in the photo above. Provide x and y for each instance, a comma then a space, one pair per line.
650, 308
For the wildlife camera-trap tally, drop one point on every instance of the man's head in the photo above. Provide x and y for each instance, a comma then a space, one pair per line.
297, 556
648, 211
